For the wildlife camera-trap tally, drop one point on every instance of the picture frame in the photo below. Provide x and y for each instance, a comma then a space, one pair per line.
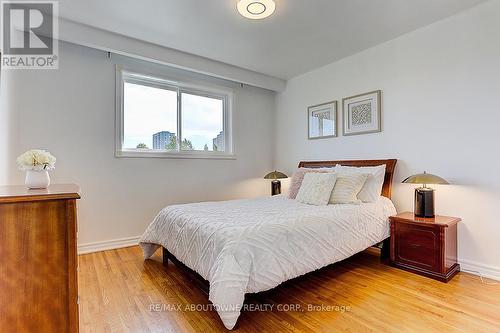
362, 114
322, 121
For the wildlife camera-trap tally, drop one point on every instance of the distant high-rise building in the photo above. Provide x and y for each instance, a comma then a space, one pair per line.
162, 139
218, 142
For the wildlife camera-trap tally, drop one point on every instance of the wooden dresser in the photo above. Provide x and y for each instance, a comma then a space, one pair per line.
38, 270
426, 246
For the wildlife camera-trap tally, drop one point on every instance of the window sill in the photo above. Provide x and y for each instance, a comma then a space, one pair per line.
175, 155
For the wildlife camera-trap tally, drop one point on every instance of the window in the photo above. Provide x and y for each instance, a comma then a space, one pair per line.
157, 117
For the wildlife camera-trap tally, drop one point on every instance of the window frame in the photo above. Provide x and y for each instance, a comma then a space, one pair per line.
179, 86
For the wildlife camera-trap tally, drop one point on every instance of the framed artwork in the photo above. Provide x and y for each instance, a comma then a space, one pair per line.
362, 113
322, 120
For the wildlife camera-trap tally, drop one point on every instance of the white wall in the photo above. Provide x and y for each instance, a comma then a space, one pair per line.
441, 113
71, 113
6, 132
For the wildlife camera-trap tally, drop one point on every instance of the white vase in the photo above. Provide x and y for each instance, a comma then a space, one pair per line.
37, 179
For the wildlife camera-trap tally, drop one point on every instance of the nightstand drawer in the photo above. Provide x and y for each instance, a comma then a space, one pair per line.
417, 246
426, 246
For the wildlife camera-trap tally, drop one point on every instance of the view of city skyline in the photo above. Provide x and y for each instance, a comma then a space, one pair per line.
149, 111
162, 139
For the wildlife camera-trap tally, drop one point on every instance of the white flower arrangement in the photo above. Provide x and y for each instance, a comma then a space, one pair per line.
37, 160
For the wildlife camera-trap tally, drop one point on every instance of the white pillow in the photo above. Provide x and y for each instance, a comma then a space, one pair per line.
316, 188
347, 188
298, 176
372, 189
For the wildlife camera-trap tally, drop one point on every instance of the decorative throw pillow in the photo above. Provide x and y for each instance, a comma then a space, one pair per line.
316, 188
347, 188
372, 189
298, 176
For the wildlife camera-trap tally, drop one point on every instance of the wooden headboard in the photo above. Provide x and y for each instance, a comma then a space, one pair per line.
390, 165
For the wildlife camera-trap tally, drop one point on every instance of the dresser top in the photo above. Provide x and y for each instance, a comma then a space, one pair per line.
408, 217
20, 193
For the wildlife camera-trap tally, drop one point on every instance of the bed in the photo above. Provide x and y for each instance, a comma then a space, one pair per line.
253, 245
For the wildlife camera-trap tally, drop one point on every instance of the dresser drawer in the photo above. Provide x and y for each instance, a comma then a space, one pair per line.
417, 246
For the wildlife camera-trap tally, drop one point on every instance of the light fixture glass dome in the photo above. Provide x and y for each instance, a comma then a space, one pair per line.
256, 9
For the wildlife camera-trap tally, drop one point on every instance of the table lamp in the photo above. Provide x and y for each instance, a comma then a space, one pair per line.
424, 196
275, 184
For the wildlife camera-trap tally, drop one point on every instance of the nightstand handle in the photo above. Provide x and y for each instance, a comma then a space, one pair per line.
415, 245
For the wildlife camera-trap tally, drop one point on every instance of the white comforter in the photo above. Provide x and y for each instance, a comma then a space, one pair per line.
248, 246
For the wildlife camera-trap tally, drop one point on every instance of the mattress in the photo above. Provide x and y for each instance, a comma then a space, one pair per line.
253, 245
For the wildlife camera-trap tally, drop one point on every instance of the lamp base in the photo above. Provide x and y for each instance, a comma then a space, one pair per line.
275, 187
424, 202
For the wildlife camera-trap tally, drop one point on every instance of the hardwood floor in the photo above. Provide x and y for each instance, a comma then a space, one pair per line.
120, 292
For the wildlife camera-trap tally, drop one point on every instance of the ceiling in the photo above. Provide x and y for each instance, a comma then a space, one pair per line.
300, 36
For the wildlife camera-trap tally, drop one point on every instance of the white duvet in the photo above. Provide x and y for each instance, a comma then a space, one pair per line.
248, 246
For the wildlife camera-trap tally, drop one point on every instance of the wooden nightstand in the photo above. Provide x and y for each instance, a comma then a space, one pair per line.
426, 246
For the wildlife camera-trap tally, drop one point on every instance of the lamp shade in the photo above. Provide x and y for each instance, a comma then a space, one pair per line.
425, 178
275, 175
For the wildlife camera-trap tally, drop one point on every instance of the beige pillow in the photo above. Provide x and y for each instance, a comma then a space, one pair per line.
347, 188
298, 176
316, 188
372, 189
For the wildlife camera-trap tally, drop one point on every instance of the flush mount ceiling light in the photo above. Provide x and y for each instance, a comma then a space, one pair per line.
256, 9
